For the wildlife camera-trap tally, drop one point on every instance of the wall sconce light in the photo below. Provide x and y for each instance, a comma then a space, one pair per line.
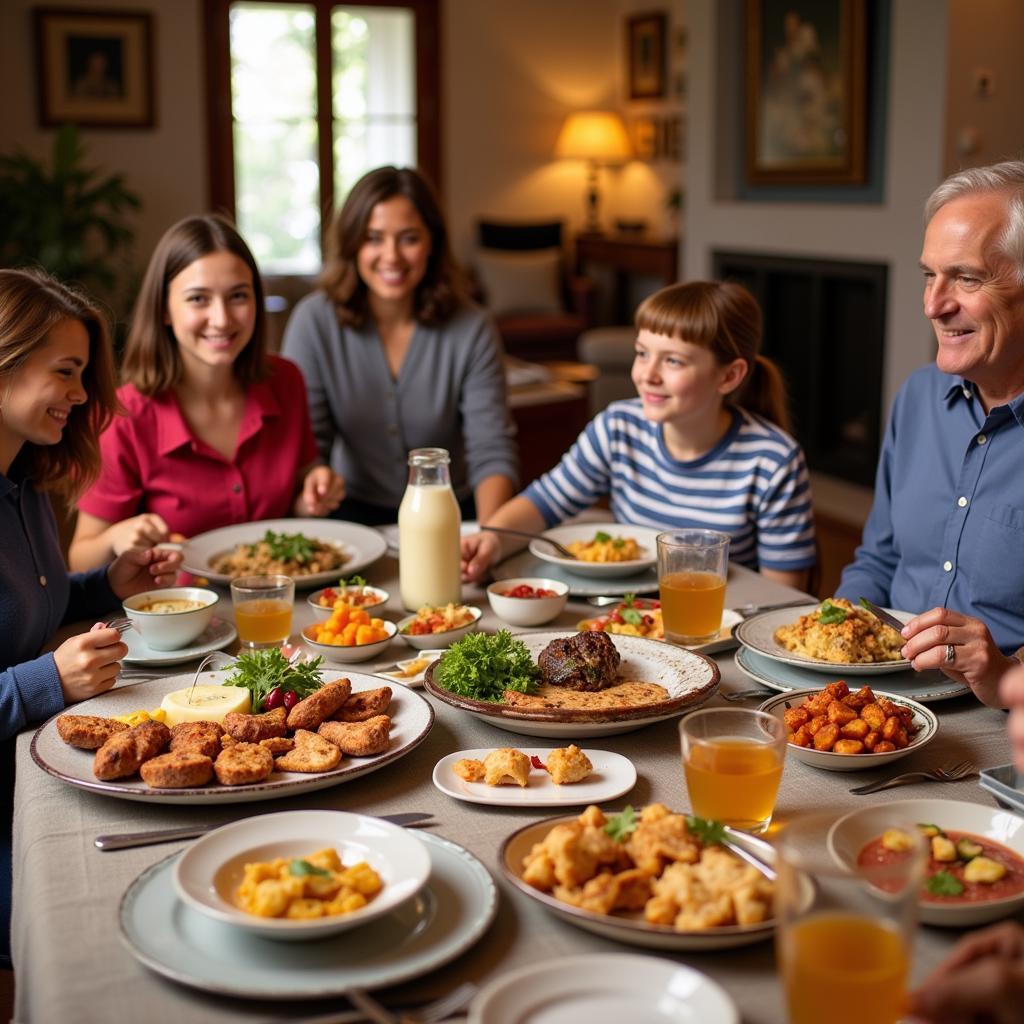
600, 138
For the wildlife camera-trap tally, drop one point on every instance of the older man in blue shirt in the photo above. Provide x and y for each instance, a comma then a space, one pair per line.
946, 531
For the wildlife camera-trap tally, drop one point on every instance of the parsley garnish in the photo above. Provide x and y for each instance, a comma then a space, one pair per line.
709, 832
260, 671
619, 542
286, 547
300, 868
601, 537
622, 825
483, 667
353, 581
632, 616
942, 883
831, 614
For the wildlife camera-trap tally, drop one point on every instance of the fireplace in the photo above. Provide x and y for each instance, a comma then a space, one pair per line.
825, 327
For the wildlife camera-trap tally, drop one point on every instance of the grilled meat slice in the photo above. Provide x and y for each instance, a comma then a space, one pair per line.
586, 661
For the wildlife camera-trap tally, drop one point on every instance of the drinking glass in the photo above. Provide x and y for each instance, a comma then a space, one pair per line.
692, 566
732, 759
844, 928
263, 609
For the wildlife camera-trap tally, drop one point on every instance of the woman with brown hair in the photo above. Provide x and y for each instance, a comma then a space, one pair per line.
395, 357
217, 430
704, 445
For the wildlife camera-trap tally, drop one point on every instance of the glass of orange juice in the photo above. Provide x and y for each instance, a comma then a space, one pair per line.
263, 609
845, 929
732, 759
692, 566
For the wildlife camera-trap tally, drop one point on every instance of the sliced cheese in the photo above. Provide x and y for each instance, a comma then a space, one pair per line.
205, 703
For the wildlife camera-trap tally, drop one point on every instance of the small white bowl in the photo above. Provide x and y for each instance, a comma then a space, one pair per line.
426, 641
852, 832
527, 611
209, 872
356, 652
169, 631
323, 611
925, 720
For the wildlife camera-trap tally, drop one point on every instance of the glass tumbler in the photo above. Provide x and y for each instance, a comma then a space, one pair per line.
263, 609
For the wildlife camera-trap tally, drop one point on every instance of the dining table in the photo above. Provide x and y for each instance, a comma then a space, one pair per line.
73, 965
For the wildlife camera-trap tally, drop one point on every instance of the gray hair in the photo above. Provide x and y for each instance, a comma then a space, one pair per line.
1006, 177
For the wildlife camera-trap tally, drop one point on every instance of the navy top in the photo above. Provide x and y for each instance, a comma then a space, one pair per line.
947, 525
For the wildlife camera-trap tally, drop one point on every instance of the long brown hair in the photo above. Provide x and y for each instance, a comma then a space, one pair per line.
725, 318
152, 359
442, 288
32, 304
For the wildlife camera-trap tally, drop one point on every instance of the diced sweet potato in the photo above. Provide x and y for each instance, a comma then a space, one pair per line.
818, 704
860, 699
873, 715
838, 689
840, 713
891, 710
872, 739
795, 717
855, 730
826, 736
848, 747
815, 724
883, 747
801, 738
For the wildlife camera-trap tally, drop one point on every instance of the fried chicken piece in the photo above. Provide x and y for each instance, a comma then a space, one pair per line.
315, 709
87, 732
567, 765
469, 769
661, 837
124, 752
574, 852
178, 769
243, 763
359, 739
365, 704
312, 753
605, 893
278, 744
197, 738
253, 728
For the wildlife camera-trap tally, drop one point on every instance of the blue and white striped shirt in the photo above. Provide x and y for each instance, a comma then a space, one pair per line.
752, 485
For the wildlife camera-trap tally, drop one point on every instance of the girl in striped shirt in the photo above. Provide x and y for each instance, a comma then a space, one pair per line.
704, 445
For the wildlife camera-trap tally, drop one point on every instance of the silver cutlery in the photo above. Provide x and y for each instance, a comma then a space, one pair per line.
954, 773
127, 840
121, 625
746, 694
563, 551
881, 613
729, 842
429, 1013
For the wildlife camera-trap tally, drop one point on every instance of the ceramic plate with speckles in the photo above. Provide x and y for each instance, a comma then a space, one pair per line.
411, 721
689, 678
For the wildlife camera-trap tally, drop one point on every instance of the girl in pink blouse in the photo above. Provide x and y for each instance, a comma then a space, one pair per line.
217, 430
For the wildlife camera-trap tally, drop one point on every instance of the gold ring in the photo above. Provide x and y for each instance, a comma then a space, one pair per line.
950, 654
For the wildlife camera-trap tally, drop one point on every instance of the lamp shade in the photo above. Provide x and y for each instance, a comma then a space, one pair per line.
596, 135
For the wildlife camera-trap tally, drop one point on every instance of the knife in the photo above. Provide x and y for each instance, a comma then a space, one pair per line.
126, 840
881, 613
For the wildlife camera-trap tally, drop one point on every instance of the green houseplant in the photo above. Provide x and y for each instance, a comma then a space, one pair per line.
71, 219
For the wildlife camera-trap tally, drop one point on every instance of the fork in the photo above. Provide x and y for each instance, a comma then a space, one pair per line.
121, 625
368, 1008
961, 770
563, 551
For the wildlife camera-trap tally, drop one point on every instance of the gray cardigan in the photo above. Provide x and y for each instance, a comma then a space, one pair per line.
450, 393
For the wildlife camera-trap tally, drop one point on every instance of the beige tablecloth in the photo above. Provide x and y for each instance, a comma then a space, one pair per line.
72, 967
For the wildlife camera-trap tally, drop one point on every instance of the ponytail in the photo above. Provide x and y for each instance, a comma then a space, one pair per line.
764, 392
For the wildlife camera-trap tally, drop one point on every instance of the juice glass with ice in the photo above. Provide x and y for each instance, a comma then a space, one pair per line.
692, 566
263, 609
733, 759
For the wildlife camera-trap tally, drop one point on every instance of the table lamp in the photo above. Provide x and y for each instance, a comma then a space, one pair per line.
600, 138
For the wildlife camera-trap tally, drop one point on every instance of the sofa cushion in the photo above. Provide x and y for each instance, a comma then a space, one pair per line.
521, 282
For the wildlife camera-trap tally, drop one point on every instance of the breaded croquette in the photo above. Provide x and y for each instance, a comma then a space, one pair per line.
365, 704
469, 769
312, 753
278, 744
507, 766
88, 732
243, 763
359, 739
178, 769
197, 738
253, 728
568, 764
124, 752
310, 712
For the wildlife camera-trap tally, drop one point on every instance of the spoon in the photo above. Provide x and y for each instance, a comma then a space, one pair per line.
563, 551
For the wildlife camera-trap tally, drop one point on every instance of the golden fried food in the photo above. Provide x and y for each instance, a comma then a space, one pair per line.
365, 704
124, 752
567, 765
573, 852
178, 769
197, 738
469, 769
605, 548
278, 744
860, 638
243, 763
253, 728
315, 709
507, 767
312, 753
88, 732
359, 739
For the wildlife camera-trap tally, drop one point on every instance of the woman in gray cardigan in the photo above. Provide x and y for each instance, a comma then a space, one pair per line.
395, 356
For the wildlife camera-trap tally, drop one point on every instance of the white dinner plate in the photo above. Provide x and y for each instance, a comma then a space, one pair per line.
411, 717
924, 687
526, 564
613, 776
446, 918
217, 635
415, 680
603, 988
645, 536
361, 545
390, 533
689, 678
758, 633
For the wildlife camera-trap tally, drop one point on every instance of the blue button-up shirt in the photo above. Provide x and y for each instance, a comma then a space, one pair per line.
947, 524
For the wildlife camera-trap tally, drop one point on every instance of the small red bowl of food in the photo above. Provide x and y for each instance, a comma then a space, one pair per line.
357, 595
528, 600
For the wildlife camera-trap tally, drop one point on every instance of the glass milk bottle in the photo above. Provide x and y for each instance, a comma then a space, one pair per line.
428, 533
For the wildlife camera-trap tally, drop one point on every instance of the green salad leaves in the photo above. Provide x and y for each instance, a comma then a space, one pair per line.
261, 671
483, 667
285, 547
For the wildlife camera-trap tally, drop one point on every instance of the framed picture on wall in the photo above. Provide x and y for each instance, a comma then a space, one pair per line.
94, 67
645, 56
806, 92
